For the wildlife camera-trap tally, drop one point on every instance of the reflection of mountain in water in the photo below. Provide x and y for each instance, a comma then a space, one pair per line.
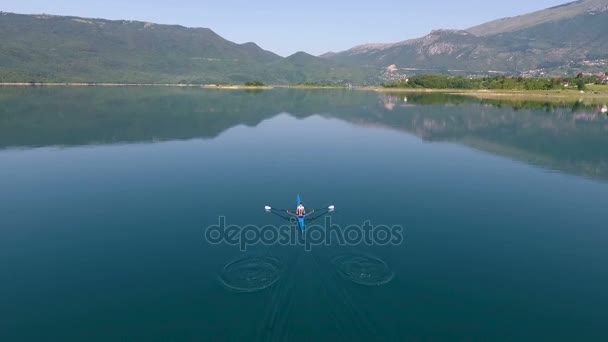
567, 137
81, 116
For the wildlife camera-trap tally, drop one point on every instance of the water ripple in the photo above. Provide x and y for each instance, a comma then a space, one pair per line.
363, 269
250, 274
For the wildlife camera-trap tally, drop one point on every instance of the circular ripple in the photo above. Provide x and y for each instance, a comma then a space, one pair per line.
361, 269
250, 274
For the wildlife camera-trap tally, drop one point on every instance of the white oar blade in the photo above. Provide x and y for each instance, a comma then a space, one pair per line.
267, 208
331, 208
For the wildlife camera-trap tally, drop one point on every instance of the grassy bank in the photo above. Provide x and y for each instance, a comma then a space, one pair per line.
595, 94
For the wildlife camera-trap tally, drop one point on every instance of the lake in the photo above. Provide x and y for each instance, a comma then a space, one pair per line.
488, 218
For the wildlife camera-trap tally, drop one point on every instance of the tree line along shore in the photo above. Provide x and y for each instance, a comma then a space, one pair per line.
580, 82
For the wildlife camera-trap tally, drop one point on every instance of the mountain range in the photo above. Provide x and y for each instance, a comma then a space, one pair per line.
46, 48
566, 38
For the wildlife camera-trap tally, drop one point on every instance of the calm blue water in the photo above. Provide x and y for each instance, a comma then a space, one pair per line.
106, 195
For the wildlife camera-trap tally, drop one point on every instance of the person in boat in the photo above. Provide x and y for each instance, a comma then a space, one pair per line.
300, 210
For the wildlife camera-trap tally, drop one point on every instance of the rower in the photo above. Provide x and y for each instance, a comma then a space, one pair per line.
300, 210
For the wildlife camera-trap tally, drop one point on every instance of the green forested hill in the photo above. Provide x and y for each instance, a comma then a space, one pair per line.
70, 49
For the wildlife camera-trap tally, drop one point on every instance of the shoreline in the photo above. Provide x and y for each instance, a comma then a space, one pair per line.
183, 85
569, 95
86, 84
531, 95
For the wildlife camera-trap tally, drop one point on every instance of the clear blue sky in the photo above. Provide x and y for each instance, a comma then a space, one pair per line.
286, 26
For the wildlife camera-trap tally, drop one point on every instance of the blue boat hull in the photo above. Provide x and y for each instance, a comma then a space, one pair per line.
301, 222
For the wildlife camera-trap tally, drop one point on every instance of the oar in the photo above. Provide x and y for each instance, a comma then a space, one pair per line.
330, 209
277, 212
268, 208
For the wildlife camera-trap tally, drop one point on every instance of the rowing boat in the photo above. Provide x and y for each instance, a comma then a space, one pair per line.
302, 220
302, 217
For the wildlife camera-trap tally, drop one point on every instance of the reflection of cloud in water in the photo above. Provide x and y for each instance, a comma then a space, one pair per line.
250, 274
363, 269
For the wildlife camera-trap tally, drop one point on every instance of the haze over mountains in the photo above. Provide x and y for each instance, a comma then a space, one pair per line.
42, 48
